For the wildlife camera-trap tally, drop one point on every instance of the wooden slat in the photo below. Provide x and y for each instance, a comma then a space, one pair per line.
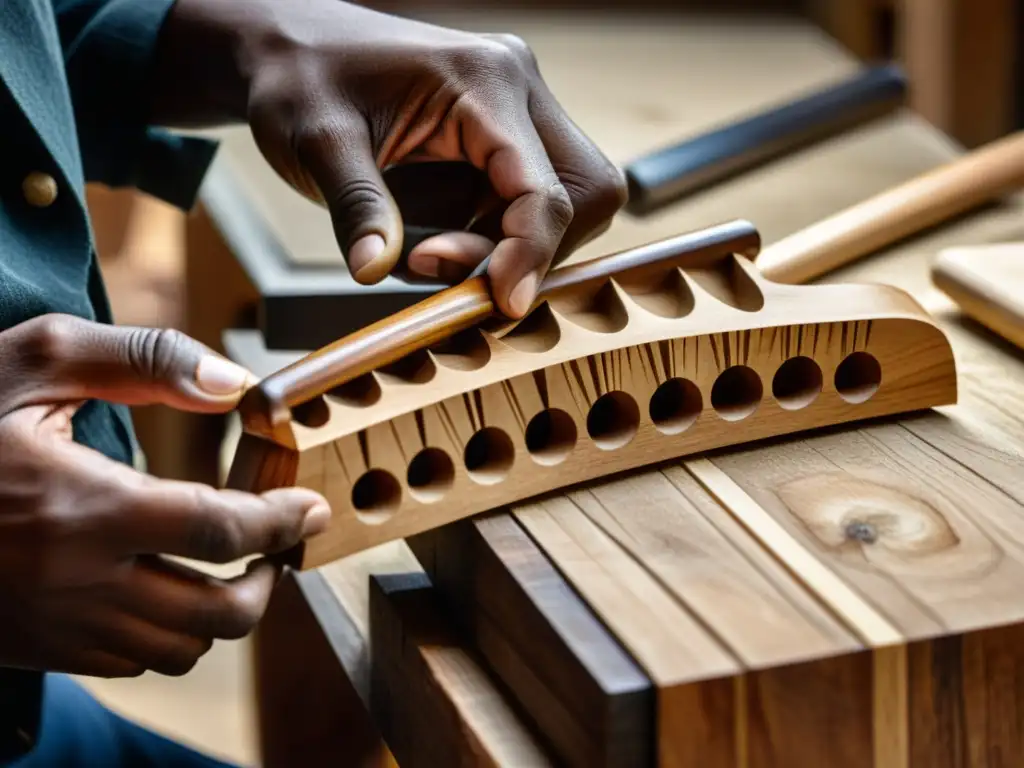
588, 698
688, 664
430, 696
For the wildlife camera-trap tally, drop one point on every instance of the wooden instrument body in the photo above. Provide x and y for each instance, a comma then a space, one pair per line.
640, 368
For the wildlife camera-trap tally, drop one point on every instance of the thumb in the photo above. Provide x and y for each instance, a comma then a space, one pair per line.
366, 219
63, 358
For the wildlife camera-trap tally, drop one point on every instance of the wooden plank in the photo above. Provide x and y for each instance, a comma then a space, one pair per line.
986, 283
741, 712
968, 700
573, 681
310, 713
928, 543
691, 669
702, 556
430, 696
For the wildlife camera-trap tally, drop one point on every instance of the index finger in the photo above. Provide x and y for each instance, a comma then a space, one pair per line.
499, 137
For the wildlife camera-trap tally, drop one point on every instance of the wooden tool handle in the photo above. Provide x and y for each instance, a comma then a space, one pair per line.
664, 176
976, 178
266, 407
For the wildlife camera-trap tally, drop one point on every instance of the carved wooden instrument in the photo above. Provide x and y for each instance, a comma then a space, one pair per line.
976, 178
648, 355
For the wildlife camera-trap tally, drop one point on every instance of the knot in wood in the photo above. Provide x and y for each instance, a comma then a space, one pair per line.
861, 531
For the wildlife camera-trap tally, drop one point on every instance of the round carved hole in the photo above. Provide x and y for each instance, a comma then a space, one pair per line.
465, 351
489, 456
797, 383
858, 377
736, 393
613, 420
362, 392
313, 413
675, 406
375, 496
550, 436
430, 475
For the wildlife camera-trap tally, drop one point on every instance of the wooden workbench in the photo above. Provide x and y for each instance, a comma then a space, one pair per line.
848, 598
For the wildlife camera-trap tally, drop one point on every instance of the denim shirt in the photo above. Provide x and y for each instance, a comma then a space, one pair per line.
74, 96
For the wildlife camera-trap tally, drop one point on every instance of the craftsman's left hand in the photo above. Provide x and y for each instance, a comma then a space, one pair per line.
337, 92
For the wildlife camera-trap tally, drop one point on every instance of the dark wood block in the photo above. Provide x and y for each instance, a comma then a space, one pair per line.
429, 692
579, 687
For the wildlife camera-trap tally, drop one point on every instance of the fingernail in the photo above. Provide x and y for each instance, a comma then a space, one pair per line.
316, 520
364, 251
428, 266
523, 294
218, 376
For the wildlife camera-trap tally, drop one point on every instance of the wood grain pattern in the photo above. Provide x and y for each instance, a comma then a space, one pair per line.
430, 696
637, 370
962, 184
713, 708
987, 283
943, 699
571, 678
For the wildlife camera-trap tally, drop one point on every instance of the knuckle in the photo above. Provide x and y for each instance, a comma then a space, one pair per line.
216, 537
486, 60
179, 660
615, 191
560, 206
48, 339
155, 352
241, 615
608, 194
314, 133
227, 616
359, 199
519, 47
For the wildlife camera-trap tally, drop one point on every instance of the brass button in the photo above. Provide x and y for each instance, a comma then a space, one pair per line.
40, 189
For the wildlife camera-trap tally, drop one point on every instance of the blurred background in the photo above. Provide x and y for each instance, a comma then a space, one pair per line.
966, 77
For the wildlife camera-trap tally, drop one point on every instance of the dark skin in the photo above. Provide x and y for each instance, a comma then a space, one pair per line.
85, 584
339, 98
335, 93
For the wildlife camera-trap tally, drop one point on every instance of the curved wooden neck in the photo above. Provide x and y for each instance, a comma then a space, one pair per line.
266, 408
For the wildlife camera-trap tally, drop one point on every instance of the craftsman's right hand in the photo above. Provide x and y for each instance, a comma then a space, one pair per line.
85, 586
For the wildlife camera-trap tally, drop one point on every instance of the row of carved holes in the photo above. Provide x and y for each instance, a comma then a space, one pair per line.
611, 423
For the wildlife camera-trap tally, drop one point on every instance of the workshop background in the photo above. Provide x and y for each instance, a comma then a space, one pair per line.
966, 73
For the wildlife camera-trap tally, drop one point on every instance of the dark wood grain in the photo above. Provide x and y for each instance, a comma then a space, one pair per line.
310, 713
266, 408
967, 700
430, 696
578, 687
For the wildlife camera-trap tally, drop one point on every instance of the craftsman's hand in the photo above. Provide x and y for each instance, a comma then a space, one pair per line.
84, 584
334, 93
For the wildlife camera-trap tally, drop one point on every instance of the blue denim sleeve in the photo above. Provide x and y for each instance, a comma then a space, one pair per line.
109, 51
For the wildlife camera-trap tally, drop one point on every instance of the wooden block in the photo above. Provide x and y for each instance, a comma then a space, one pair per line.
429, 694
310, 713
571, 678
731, 660
987, 282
